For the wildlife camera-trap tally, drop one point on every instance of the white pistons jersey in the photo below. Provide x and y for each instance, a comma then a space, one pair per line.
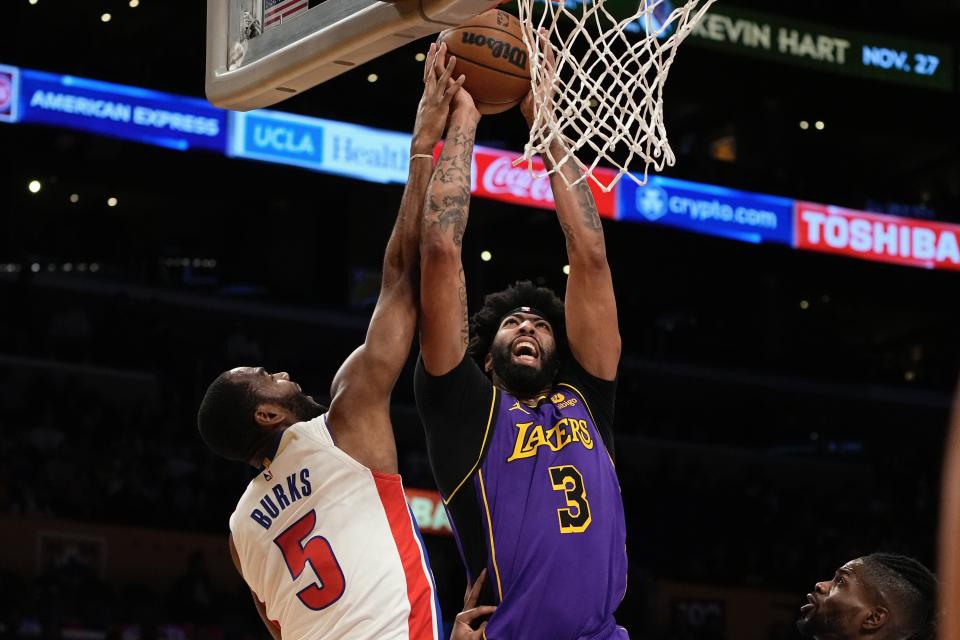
331, 547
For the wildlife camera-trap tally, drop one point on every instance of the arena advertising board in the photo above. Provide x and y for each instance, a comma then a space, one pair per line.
377, 155
329, 146
272, 136
826, 47
495, 177
9, 93
877, 237
121, 111
707, 209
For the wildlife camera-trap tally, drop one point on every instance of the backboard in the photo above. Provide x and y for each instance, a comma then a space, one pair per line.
260, 52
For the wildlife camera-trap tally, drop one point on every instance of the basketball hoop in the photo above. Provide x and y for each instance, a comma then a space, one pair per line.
601, 97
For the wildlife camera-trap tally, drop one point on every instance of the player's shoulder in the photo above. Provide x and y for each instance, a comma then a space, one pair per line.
573, 377
464, 380
307, 433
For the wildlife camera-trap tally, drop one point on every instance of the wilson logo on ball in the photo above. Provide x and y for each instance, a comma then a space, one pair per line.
516, 56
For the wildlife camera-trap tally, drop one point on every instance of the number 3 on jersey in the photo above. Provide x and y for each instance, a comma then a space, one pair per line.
575, 519
319, 555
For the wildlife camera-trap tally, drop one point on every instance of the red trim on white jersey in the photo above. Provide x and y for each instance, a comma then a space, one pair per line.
423, 621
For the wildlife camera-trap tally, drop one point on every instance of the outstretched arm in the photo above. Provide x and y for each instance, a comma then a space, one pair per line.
359, 411
443, 290
591, 308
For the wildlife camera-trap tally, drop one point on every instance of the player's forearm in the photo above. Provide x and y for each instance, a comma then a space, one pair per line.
401, 261
448, 197
443, 298
577, 212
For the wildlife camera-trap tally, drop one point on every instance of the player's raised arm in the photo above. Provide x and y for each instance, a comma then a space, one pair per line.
361, 389
443, 292
591, 310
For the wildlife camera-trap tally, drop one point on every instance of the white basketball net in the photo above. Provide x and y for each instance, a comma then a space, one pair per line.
603, 100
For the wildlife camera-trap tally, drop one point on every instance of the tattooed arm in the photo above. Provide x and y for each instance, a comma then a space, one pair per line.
443, 291
359, 415
591, 308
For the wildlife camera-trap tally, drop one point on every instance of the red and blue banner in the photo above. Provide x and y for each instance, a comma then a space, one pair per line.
377, 155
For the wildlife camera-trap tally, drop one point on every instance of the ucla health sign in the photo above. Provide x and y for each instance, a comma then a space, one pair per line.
121, 111
375, 155
329, 146
701, 208
272, 136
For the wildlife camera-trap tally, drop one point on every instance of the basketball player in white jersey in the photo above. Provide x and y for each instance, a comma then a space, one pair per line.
323, 535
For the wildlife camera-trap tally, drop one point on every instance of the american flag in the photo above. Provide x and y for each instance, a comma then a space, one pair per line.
276, 11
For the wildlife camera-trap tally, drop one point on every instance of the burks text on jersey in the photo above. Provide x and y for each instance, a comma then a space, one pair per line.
279, 499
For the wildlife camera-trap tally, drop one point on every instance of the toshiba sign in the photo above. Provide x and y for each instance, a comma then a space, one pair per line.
872, 236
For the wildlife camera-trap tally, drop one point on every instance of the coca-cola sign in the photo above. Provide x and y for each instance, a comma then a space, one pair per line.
501, 177
495, 177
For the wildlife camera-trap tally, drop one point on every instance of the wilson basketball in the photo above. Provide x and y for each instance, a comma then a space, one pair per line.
490, 52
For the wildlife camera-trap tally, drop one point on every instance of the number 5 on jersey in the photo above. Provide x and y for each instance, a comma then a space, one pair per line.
319, 555
568, 479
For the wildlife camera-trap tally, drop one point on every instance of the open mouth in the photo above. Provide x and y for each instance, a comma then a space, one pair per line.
810, 606
526, 350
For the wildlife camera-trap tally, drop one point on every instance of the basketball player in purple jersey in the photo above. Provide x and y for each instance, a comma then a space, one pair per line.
518, 411
323, 535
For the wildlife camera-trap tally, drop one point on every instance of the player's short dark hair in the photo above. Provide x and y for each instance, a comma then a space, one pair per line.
911, 585
486, 322
226, 418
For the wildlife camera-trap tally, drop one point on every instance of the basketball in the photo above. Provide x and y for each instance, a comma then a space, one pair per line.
491, 54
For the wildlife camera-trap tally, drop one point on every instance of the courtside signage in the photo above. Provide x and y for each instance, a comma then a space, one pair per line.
272, 136
495, 177
877, 237
121, 111
9, 93
826, 47
701, 208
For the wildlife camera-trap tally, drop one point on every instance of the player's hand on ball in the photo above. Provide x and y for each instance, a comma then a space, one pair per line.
464, 106
463, 624
439, 90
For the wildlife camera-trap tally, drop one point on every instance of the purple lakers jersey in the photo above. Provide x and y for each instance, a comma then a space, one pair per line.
553, 520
